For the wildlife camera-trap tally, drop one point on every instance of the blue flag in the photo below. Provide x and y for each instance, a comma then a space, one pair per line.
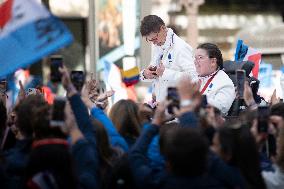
30, 34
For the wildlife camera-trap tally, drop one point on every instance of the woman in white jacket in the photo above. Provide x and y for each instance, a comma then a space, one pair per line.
172, 57
214, 82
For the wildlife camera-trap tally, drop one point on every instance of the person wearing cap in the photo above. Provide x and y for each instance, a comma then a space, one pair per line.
214, 82
171, 57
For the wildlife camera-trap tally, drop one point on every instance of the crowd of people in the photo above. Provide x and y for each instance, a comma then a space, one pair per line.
79, 143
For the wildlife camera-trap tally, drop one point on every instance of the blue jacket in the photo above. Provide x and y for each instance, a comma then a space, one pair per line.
116, 139
83, 120
85, 151
15, 163
86, 164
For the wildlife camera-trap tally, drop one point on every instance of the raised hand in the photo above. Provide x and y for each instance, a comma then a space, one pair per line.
248, 96
274, 99
188, 89
66, 81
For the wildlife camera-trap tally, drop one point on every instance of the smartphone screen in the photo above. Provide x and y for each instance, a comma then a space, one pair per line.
56, 61
58, 112
263, 115
240, 83
78, 79
174, 97
204, 102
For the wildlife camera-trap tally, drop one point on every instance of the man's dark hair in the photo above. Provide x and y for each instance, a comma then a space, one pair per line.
239, 144
213, 52
186, 149
277, 109
32, 113
151, 23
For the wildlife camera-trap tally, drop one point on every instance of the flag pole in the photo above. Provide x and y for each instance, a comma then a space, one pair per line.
93, 42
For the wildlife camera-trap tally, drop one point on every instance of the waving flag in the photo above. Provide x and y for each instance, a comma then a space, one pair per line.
28, 32
245, 53
131, 76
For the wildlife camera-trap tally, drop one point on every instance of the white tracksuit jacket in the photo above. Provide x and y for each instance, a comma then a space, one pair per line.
178, 61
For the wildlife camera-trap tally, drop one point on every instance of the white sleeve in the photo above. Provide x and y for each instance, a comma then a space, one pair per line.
184, 60
223, 98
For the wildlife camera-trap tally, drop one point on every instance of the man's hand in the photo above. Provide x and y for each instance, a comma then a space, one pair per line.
160, 69
150, 72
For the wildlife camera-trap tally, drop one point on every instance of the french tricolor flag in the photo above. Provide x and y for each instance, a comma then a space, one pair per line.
245, 53
28, 32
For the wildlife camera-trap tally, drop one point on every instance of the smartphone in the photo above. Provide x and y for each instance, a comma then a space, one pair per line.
153, 68
56, 61
204, 102
78, 79
174, 97
240, 75
58, 112
263, 117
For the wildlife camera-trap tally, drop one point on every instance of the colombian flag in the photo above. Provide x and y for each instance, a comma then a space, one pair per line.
131, 76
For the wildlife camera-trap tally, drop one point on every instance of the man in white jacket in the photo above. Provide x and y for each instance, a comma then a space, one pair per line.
171, 57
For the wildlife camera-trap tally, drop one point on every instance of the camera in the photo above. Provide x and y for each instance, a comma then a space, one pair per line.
78, 79
174, 97
56, 61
